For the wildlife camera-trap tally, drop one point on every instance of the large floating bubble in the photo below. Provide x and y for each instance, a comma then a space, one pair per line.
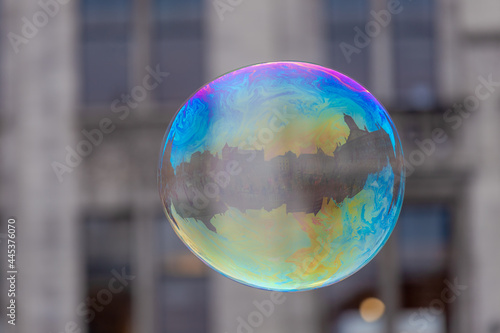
285, 176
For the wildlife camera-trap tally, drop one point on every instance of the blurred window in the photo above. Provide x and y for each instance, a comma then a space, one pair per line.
108, 244
105, 45
109, 247
183, 305
424, 237
414, 54
183, 285
414, 40
343, 17
177, 47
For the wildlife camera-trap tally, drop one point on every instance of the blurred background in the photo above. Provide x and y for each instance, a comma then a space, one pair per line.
86, 99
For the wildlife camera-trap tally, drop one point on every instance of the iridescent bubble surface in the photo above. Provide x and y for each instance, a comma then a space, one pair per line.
284, 176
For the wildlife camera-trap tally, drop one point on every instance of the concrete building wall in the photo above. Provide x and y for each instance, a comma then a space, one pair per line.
480, 37
39, 119
39, 100
260, 31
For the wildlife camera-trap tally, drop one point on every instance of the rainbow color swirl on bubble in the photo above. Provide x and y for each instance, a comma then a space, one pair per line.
284, 176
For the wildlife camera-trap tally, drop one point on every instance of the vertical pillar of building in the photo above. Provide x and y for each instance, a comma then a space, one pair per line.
484, 219
240, 33
461, 268
389, 283
480, 31
449, 58
39, 84
383, 87
141, 41
382, 55
144, 206
145, 286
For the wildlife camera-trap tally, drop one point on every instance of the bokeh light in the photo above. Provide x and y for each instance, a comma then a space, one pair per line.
371, 309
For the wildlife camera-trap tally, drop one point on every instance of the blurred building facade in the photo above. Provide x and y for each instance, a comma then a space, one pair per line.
113, 73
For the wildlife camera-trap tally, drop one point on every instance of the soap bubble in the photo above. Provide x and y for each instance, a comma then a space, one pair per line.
282, 176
